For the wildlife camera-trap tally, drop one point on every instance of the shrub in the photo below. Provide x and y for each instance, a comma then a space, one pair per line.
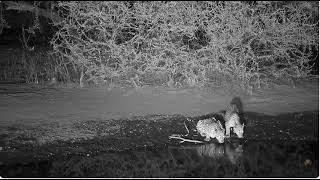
185, 42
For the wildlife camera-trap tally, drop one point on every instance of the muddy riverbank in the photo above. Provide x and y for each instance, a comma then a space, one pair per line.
274, 146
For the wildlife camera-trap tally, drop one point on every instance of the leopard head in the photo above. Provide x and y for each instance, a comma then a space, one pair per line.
220, 133
239, 130
220, 137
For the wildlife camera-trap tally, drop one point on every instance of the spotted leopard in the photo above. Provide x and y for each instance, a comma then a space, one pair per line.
232, 120
211, 128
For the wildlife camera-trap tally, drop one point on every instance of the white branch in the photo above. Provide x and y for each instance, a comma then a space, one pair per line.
176, 136
186, 127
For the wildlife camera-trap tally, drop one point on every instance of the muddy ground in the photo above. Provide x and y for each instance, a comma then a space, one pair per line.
54, 123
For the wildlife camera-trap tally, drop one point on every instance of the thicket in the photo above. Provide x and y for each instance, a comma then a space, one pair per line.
186, 43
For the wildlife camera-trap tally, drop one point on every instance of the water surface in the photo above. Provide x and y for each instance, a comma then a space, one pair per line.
232, 159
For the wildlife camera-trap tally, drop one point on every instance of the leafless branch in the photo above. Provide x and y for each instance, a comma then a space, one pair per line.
177, 136
186, 127
22, 6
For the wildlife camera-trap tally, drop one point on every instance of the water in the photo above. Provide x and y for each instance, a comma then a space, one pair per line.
231, 159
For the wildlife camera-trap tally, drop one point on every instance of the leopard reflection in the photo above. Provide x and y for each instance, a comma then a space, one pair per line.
232, 151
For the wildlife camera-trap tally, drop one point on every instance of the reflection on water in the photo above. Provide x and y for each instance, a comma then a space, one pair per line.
231, 151
231, 159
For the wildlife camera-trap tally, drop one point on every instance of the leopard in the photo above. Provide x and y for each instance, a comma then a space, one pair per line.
211, 128
232, 118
